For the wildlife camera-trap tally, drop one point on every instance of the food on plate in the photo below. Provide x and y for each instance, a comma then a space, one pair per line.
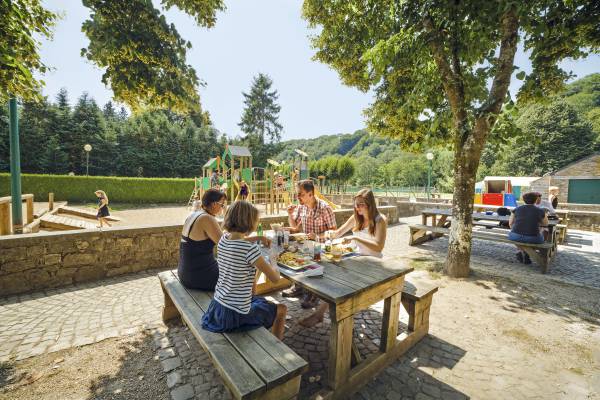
299, 237
292, 259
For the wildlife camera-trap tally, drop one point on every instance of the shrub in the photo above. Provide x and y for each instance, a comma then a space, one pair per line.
118, 189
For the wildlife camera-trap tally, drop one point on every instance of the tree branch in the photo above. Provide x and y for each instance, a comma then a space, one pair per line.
506, 59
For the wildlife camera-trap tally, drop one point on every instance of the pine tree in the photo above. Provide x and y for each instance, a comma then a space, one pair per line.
260, 119
89, 128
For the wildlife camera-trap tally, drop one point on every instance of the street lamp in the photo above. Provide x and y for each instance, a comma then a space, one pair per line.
87, 148
429, 156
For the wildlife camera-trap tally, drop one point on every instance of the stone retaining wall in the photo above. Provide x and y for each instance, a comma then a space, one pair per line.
52, 259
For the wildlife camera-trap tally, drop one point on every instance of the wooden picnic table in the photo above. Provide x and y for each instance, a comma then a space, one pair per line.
349, 287
439, 218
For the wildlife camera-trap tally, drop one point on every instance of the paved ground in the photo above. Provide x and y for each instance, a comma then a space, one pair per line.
506, 332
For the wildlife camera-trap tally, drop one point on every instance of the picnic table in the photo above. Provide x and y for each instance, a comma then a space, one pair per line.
349, 287
439, 218
542, 253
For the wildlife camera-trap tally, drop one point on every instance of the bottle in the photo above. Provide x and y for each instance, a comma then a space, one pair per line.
317, 249
327, 241
286, 239
280, 238
259, 230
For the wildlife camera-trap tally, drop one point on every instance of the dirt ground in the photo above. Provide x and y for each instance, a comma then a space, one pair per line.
118, 368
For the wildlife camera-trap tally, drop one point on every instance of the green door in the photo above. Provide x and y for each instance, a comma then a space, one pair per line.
584, 191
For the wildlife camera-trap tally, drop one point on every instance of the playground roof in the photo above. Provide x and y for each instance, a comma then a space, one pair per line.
239, 151
514, 180
210, 163
300, 152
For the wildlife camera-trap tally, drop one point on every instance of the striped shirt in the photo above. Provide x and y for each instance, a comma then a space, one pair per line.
236, 273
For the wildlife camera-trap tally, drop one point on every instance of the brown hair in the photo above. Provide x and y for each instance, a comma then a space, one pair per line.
306, 185
531, 197
212, 196
241, 217
359, 220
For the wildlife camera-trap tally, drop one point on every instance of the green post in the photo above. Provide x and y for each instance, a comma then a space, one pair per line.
429, 157
15, 168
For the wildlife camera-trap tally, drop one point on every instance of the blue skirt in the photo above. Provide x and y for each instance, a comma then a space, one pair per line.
219, 318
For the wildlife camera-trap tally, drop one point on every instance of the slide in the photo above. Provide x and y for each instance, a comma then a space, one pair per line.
320, 195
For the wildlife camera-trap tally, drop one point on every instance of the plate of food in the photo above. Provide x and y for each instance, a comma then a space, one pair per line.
338, 251
294, 261
298, 237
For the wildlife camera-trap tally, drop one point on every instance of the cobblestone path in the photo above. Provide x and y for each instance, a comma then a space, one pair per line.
500, 334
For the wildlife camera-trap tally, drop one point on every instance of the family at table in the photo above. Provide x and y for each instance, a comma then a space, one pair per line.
233, 273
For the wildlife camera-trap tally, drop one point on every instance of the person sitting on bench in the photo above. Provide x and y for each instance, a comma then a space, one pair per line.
234, 307
526, 222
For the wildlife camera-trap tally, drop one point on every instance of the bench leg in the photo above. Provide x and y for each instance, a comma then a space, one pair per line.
540, 256
418, 236
169, 311
418, 312
286, 391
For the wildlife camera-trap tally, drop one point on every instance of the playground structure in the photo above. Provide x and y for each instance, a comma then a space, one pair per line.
267, 186
59, 218
501, 191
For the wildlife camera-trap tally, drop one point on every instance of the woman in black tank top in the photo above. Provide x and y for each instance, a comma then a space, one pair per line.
198, 268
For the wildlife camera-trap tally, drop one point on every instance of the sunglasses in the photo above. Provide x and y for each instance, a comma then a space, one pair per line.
360, 205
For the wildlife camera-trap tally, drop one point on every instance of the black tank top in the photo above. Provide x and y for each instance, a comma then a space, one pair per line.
198, 268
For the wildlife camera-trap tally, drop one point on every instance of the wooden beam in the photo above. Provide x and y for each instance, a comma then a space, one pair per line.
389, 325
340, 348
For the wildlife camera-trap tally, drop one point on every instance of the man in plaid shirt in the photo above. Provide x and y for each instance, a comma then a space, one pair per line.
313, 217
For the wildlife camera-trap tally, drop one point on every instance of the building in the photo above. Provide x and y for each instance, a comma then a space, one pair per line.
578, 182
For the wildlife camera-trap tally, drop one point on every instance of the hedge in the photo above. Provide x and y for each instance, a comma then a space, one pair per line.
118, 189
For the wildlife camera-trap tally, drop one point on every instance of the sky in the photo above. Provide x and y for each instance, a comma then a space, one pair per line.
250, 37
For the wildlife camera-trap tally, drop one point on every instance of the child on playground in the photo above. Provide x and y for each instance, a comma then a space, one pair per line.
103, 212
234, 307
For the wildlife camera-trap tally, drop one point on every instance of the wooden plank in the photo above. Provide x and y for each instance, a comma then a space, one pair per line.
5, 226
340, 348
79, 212
389, 324
239, 377
63, 223
365, 299
270, 358
417, 290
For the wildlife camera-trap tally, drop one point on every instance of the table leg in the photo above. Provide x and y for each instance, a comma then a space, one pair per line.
389, 325
423, 219
340, 349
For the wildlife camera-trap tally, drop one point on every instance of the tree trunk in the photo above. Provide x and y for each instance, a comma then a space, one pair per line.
467, 154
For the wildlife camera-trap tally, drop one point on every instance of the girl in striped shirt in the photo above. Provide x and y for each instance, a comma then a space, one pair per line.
234, 306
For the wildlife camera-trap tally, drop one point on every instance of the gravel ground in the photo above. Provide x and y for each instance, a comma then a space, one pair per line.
119, 368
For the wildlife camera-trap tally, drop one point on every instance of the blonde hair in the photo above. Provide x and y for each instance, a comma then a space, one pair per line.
102, 194
359, 220
241, 217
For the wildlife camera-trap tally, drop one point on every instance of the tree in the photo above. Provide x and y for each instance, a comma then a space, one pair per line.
88, 128
260, 119
557, 136
22, 23
441, 70
143, 56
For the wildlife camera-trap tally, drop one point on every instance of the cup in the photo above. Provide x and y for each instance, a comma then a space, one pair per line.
336, 253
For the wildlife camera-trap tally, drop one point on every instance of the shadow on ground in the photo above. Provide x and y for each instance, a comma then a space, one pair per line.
139, 376
403, 377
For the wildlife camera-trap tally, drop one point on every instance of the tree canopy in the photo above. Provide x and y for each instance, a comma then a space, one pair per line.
22, 23
143, 56
441, 70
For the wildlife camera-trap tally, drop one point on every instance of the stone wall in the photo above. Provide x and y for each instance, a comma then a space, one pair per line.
52, 259
588, 166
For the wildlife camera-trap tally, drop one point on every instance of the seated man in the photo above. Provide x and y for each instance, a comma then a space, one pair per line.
313, 217
526, 222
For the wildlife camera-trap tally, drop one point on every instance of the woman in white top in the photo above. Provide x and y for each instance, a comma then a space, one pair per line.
369, 229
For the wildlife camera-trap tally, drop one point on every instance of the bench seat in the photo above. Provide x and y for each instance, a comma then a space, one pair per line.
253, 364
542, 253
416, 299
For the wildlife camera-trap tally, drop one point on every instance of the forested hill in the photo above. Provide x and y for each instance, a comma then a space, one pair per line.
354, 144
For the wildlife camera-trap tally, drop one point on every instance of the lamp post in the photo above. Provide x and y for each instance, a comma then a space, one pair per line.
15, 167
87, 148
429, 156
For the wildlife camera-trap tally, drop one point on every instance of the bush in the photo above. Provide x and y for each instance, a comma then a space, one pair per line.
118, 189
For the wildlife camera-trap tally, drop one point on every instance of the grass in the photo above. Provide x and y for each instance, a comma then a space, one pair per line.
523, 336
433, 267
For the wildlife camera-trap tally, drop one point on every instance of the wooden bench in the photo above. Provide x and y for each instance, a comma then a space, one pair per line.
416, 299
253, 364
542, 254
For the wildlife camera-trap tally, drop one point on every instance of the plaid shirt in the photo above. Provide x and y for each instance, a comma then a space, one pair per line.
315, 220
